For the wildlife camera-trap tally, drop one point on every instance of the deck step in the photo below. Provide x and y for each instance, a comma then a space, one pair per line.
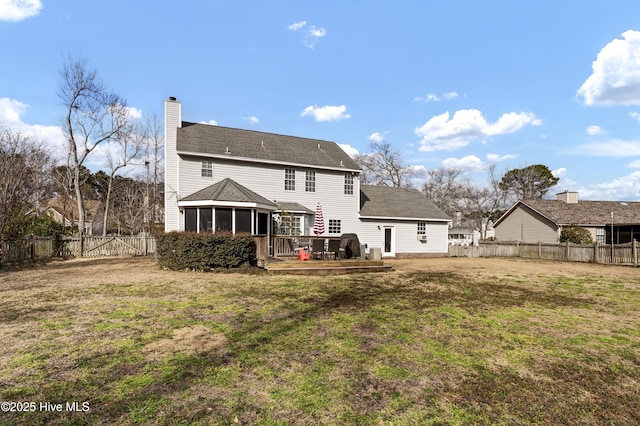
328, 267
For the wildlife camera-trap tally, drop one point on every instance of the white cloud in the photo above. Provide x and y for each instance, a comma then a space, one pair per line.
615, 78
210, 122
495, 158
17, 10
134, 112
444, 133
622, 188
635, 164
11, 112
432, 97
559, 173
297, 25
594, 130
635, 116
351, 151
418, 169
317, 32
311, 35
611, 148
326, 113
376, 137
468, 163
511, 122
252, 119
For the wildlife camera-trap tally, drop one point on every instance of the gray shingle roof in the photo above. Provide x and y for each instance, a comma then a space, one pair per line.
383, 201
261, 146
288, 206
231, 191
587, 212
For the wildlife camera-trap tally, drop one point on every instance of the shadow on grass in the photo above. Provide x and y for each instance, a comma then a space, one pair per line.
253, 333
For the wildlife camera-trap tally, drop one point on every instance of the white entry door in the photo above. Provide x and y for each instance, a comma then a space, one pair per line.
389, 247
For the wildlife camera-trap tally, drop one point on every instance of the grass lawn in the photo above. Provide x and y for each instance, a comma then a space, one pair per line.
436, 341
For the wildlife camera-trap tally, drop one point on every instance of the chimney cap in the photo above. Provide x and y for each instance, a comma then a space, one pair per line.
172, 98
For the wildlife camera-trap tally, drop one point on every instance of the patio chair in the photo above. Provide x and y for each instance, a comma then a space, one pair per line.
317, 249
334, 249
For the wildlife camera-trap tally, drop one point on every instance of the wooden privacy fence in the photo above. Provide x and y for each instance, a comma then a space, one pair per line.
617, 254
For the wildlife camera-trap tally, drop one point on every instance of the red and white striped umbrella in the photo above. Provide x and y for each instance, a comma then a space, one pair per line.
318, 221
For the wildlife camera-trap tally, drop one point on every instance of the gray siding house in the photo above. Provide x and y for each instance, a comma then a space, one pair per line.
224, 179
533, 221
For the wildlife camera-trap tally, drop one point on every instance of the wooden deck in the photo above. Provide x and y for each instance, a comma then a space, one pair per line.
326, 267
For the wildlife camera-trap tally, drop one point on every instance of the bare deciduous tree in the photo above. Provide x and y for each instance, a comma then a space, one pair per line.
93, 116
384, 166
485, 203
447, 189
126, 148
155, 170
25, 178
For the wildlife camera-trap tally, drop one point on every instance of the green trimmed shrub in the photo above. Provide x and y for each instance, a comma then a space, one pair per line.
576, 235
204, 252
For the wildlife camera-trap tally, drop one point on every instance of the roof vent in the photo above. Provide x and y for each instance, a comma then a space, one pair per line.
341, 163
318, 146
262, 143
172, 98
227, 151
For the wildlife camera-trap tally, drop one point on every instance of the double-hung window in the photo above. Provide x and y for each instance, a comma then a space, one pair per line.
289, 179
310, 181
290, 225
348, 184
422, 231
207, 168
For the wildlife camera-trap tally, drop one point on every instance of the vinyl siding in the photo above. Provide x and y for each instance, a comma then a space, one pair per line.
172, 120
268, 181
524, 224
406, 240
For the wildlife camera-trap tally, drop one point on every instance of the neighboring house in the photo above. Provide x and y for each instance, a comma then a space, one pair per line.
543, 220
65, 212
224, 179
465, 233
463, 236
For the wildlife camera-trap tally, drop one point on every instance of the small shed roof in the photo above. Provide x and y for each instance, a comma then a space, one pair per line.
291, 207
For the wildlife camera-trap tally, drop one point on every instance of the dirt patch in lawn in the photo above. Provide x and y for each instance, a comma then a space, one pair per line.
195, 340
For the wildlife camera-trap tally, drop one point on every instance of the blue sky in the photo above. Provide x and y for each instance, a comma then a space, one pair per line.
450, 84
